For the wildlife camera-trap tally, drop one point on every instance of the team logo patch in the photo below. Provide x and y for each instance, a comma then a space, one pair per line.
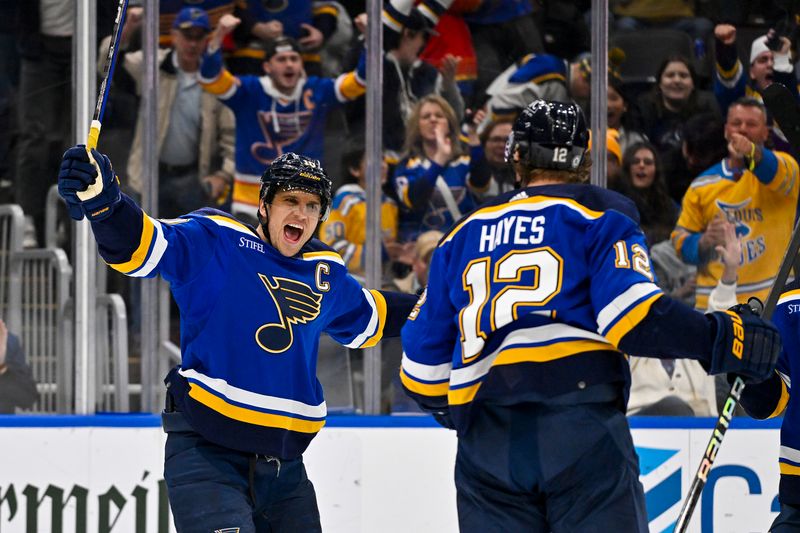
296, 303
739, 214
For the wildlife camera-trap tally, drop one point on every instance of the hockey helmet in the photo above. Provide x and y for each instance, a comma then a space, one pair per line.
548, 135
292, 171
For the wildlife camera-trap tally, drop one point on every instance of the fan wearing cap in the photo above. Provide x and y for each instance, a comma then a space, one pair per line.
195, 131
169, 9
281, 111
244, 403
770, 61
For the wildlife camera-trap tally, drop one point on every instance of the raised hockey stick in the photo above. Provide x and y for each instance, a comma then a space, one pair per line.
108, 74
781, 103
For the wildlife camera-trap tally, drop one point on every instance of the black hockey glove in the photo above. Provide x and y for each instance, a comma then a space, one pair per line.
81, 190
746, 344
442, 416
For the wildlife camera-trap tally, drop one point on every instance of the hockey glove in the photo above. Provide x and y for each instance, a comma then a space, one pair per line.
444, 419
79, 187
745, 344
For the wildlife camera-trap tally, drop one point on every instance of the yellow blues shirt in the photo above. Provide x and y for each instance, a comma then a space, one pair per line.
762, 204
346, 228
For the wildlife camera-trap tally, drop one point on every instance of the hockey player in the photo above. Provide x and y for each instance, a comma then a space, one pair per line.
245, 402
775, 397
518, 341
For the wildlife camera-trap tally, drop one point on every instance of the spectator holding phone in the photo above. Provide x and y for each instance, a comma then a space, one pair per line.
770, 61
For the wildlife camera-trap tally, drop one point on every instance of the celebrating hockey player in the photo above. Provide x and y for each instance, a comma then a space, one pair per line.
775, 397
245, 402
518, 341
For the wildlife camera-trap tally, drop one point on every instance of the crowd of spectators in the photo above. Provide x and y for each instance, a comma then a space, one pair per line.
242, 81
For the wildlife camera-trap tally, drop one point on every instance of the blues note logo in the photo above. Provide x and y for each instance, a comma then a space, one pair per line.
296, 304
740, 215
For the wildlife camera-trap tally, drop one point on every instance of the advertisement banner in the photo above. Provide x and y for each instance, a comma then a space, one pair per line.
742, 488
385, 474
82, 480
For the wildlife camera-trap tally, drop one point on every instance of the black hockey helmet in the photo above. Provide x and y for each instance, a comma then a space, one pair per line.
293, 171
548, 135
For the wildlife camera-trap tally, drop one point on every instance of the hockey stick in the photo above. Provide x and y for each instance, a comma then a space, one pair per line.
781, 103
108, 74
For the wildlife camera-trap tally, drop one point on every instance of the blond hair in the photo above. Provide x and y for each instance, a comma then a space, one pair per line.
530, 176
413, 144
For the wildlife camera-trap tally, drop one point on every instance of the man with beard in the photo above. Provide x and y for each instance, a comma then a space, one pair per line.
279, 112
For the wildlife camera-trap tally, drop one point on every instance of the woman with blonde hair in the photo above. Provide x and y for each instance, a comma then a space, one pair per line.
437, 178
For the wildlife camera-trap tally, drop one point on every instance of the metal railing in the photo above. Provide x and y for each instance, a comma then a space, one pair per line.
51, 206
12, 228
36, 303
335, 375
113, 387
45, 294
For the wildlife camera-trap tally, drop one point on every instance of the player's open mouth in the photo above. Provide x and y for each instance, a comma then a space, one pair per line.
292, 232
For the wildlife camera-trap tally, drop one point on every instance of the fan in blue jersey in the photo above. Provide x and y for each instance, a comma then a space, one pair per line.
518, 341
279, 112
245, 402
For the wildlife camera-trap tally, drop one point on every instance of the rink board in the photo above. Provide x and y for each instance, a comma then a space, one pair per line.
388, 474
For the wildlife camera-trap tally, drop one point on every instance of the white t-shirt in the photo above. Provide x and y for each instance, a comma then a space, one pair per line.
57, 17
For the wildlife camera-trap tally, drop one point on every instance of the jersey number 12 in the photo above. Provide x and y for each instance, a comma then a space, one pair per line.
480, 281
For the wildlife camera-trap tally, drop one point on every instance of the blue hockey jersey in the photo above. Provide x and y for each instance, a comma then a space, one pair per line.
251, 319
774, 397
528, 298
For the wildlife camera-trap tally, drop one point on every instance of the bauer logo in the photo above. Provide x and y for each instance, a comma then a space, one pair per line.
660, 474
